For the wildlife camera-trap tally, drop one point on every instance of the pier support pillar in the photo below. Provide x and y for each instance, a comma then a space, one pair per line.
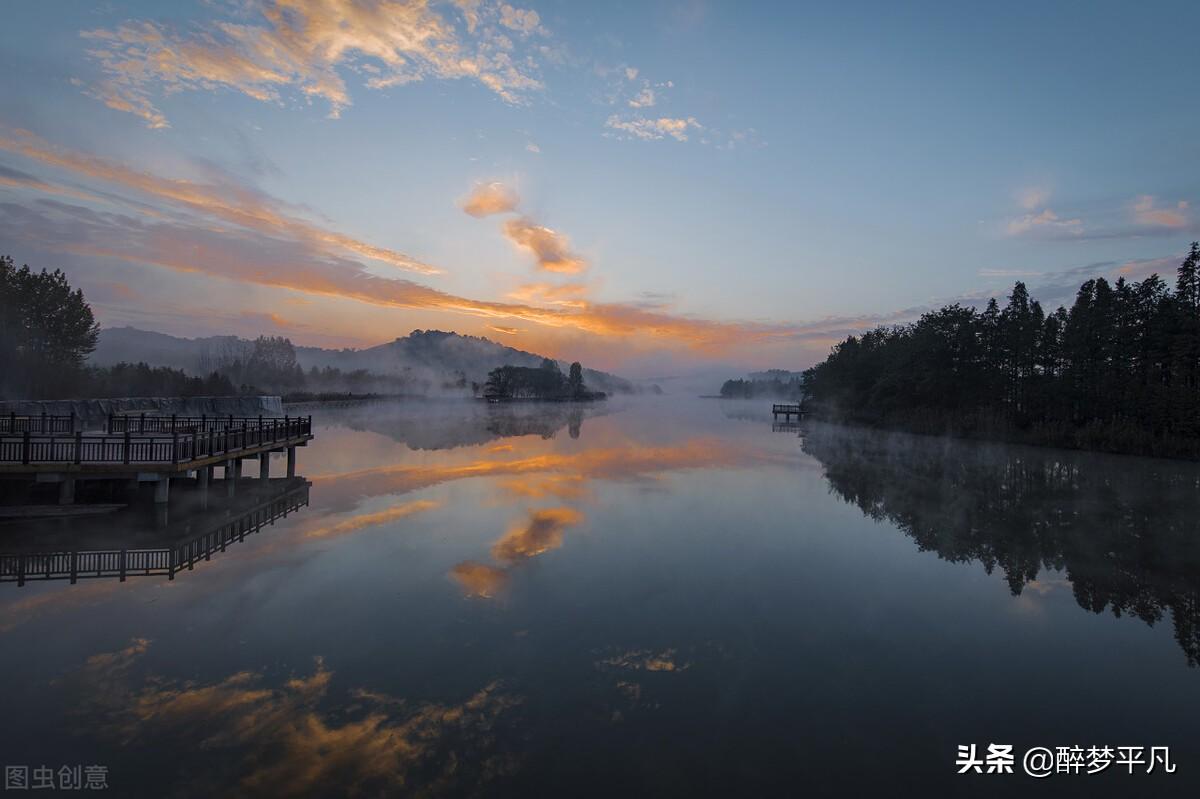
66, 491
264, 466
202, 478
237, 468
291, 451
162, 490
230, 482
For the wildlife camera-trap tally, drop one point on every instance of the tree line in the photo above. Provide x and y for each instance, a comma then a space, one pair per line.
48, 330
1118, 371
774, 383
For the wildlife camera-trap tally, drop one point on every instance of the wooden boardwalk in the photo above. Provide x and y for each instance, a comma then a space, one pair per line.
73, 565
189, 444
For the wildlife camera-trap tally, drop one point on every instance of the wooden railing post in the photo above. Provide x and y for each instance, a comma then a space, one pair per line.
174, 443
43, 421
125, 456
78, 446
25, 447
12, 422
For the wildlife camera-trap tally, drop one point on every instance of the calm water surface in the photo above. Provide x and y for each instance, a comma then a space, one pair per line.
636, 598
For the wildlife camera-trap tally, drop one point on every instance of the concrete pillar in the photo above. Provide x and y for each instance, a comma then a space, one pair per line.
230, 483
264, 466
291, 472
237, 468
66, 491
202, 477
162, 490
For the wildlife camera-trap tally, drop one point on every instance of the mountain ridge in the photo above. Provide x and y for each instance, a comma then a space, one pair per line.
439, 356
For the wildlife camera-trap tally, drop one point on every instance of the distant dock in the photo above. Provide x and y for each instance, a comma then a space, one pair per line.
146, 449
787, 411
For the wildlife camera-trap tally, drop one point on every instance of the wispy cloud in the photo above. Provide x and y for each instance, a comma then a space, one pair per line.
1044, 221
230, 202
651, 129
303, 45
1147, 212
1033, 197
643, 99
570, 295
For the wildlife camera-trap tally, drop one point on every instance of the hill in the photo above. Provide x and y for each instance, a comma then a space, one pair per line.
433, 356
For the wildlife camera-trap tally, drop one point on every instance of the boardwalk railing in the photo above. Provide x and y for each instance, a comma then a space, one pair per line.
178, 448
11, 424
153, 423
777, 409
120, 563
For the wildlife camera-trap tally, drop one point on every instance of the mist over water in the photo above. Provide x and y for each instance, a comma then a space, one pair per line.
667, 597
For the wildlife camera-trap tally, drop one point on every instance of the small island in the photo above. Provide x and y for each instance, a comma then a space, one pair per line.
545, 383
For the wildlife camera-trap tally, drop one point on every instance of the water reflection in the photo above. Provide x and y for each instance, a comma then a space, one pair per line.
265, 737
1125, 531
132, 544
428, 425
541, 532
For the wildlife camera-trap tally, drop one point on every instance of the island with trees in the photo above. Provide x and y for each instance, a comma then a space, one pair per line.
544, 383
1118, 371
773, 383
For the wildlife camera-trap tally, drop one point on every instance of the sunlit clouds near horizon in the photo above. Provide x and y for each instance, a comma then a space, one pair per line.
695, 185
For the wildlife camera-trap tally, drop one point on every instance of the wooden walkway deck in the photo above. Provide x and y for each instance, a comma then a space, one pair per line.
179, 451
193, 444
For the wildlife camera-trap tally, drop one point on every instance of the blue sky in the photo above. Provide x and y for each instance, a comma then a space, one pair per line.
738, 183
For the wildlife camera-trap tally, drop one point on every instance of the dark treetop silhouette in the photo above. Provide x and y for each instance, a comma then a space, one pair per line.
1118, 371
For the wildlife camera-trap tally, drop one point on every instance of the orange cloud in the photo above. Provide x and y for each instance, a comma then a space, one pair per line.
280, 740
490, 198
542, 532
551, 249
569, 295
563, 486
267, 247
301, 44
362, 521
479, 579
625, 462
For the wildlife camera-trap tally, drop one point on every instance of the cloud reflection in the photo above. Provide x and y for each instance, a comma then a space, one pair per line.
278, 740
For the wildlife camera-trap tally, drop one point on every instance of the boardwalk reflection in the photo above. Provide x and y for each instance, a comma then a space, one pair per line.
1125, 531
129, 544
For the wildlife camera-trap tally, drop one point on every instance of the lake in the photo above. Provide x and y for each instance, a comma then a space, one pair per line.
633, 597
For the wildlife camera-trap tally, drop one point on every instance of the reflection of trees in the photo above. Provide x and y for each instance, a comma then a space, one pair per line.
433, 426
1125, 530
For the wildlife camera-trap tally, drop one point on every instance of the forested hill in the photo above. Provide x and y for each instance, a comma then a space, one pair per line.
1118, 371
429, 357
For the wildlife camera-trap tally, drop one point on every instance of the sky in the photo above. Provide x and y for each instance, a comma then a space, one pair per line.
648, 187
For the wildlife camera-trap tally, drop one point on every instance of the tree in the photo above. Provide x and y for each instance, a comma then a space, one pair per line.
575, 385
47, 330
